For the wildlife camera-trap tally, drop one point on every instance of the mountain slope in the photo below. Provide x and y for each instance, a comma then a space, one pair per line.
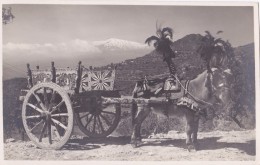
151, 64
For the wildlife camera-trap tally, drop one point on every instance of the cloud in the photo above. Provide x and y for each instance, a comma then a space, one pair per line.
75, 47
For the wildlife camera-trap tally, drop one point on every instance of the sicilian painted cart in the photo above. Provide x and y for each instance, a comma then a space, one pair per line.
56, 97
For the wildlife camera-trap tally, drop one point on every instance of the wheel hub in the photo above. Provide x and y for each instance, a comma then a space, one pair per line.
96, 106
97, 110
46, 115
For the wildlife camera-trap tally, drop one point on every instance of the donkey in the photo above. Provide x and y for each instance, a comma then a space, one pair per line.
208, 89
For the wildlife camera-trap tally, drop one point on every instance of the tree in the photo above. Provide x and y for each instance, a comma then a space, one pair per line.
218, 53
7, 16
162, 43
214, 51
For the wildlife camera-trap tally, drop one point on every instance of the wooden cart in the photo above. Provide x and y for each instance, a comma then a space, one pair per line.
55, 97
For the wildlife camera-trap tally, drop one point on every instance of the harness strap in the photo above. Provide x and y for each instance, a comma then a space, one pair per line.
195, 98
186, 87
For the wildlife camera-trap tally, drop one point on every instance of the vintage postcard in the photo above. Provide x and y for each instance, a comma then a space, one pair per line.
130, 81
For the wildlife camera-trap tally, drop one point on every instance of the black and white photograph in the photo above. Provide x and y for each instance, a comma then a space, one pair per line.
136, 81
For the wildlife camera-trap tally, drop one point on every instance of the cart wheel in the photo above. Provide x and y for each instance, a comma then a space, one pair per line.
47, 115
101, 121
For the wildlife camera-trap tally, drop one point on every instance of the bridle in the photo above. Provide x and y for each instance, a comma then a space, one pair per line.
221, 86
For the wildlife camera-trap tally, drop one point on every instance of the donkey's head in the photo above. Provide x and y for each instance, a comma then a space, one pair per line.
221, 82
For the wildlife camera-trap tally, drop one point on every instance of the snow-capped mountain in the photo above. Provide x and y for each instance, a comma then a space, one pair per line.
67, 54
114, 44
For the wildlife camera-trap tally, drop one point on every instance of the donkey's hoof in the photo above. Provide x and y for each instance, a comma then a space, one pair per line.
196, 146
136, 143
191, 148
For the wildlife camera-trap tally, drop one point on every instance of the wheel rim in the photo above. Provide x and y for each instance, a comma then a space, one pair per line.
99, 122
47, 116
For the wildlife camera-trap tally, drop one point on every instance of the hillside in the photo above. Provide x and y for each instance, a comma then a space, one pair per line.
188, 65
11, 104
245, 56
151, 64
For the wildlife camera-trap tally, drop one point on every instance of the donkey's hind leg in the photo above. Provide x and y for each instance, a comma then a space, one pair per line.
195, 132
142, 112
190, 129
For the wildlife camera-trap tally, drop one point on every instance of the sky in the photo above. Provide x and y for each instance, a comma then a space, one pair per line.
61, 23
48, 30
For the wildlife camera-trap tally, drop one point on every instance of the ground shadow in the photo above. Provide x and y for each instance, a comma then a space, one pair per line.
210, 143
79, 144
79, 147
88, 143
121, 140
180, 143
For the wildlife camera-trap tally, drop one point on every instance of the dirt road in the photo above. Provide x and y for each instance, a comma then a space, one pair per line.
216, 145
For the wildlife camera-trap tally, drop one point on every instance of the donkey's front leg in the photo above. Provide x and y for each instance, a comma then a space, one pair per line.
188, 138
136, 138
142, 112
189, 130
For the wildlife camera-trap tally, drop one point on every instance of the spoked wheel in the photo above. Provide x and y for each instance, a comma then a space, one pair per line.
100, 120
47, 115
